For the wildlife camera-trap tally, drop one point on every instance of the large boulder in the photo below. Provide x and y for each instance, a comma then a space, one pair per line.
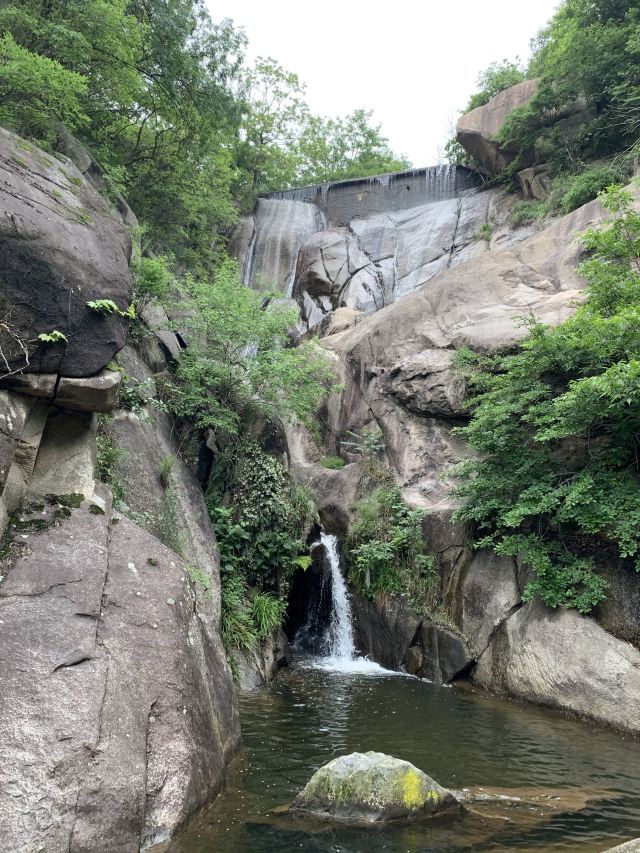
60, 247
372, 787
117, 715
564, 660
627, 847
477, 130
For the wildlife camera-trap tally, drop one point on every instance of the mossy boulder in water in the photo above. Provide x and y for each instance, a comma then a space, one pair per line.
373, 787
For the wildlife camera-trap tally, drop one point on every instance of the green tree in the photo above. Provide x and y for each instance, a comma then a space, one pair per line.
494, 79
149, 87
590, 49
274, 113
333, 149
244, 364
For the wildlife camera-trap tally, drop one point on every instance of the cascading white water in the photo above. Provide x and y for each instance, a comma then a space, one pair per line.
341, 645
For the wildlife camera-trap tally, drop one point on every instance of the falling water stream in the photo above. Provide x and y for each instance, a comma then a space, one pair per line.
334, 703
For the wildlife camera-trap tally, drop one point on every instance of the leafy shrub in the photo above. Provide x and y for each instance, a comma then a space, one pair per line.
585, 186
151, 280
247, 367
267, 613
259, 539
386, 550
494, 79
557, 426
527, 212
333, 462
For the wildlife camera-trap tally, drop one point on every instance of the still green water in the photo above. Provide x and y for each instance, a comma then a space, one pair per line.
309, 715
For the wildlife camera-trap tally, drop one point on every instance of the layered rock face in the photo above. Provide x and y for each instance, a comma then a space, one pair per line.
117, 712
359, 245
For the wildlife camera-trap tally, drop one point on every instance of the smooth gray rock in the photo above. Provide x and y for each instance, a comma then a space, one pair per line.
257, 666
445, 655
66, 455
413, 659
564, 660
333, 270
619, 613
117, 714
385, 630
177, 512
28, 421
627, 847
94, 394
480, 593
372, 787
32, 384
60, 247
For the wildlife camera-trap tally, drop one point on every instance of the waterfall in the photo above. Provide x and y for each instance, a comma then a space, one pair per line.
327, 632
340, 629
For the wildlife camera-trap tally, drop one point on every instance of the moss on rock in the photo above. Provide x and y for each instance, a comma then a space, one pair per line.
373, 787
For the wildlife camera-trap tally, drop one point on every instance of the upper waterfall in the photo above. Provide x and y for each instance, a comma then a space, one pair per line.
341, 201
360, 243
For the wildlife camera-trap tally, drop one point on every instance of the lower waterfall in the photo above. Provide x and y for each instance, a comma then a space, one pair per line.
340, 637
327, 637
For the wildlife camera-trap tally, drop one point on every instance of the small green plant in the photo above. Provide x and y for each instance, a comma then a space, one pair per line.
54, 337
19, 161
369, 444
526, 213
165, 470
108, 455
82, 216
267, 613
73, 179
484, 232
333, 462
108, 306
199, 576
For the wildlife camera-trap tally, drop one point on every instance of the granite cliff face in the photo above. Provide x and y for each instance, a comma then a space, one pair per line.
117, 711
392, 295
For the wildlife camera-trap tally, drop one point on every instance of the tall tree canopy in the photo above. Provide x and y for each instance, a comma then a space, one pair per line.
163, 99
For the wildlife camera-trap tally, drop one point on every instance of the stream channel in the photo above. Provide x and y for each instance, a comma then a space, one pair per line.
323, 706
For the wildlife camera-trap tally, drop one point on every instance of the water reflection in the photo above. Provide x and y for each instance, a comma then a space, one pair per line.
311, 715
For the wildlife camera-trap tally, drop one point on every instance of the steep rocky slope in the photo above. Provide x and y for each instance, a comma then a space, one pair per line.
396, 370
117, 712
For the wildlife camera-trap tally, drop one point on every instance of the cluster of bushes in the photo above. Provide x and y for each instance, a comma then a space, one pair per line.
557, 427
570, 190
259, 515
386, 550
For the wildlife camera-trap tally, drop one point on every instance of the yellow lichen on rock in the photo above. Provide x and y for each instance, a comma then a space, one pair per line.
412, 796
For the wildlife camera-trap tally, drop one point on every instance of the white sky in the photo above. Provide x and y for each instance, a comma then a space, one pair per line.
414, 63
